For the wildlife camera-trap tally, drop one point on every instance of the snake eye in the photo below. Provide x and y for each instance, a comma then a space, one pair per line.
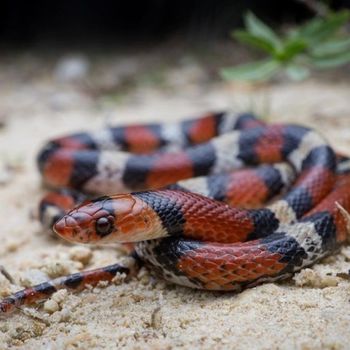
104, 226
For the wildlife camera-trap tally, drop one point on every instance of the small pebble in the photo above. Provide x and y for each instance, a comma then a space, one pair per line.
81, 254
64, 315
102, 284
51, 306
57, 268
311, 278
118, 278
60, 296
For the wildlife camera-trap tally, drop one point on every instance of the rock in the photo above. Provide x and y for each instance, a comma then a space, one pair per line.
54, 303
51, 306
60, 296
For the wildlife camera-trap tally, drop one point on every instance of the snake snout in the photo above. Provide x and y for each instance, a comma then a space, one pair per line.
66, 227
74, 227
60, 226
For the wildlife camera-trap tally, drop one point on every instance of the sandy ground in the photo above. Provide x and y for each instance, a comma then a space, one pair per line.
38, 101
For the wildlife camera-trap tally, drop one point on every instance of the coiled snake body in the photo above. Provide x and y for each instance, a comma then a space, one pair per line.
195, 217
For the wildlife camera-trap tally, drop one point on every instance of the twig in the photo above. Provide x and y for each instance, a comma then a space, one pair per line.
6, 274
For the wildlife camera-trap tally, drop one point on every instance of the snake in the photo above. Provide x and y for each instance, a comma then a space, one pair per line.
221, 202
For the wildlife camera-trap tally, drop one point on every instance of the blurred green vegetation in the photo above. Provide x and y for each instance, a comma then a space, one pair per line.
320, 43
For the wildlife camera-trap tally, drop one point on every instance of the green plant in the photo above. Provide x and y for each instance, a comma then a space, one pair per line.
320, 44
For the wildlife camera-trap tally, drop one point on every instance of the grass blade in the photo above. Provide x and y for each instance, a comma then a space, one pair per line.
255, 71
331, 47
254, 41
260, 29
332, 61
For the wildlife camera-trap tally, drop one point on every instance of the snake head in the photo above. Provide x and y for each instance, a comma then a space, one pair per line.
119, 218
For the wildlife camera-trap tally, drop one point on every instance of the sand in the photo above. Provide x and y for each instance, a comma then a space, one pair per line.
310, 311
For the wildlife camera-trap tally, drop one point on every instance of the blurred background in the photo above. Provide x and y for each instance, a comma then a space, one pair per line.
130, 61
89, 23
28, 24
57, 57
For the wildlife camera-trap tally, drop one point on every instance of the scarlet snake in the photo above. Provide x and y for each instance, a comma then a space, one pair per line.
191, 232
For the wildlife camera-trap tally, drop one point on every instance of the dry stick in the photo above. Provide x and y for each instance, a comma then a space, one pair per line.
6, 274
